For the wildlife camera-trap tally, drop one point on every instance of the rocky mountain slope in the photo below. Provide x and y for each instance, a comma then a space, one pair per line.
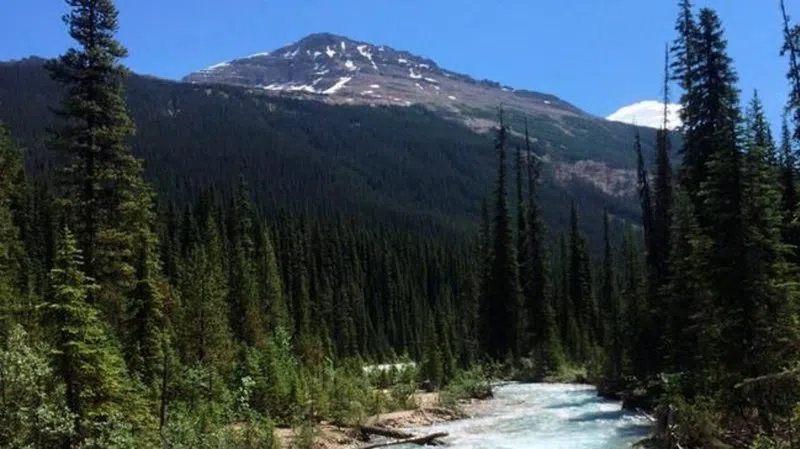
338, 69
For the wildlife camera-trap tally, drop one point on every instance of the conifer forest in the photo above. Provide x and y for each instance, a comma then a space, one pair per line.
141, 311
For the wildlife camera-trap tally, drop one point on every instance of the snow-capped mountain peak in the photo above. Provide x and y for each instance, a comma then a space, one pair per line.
339, 69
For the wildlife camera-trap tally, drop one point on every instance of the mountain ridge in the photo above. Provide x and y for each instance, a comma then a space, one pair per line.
336, 68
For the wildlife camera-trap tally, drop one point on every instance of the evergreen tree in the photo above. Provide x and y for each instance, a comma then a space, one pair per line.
542, 325
203, 328
607, 297
791, 48
11, 250
580, 291
273, 300
86, 358
146, 323
767, 315
662, 196
247, 318
103, 195
504, 296
692, 335
720, 214
789, 199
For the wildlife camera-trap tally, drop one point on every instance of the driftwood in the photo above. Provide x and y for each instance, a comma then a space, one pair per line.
384, 432
425, 439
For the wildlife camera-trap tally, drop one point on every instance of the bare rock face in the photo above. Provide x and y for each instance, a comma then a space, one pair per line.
337, 69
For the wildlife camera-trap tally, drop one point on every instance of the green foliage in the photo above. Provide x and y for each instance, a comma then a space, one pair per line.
305, 435
470, 384
11, 250
32, 409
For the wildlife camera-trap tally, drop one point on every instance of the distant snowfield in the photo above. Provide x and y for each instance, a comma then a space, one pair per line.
649, 113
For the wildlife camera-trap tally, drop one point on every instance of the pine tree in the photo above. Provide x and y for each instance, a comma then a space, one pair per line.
504, 296
607, 297
273, 300
146, 323
103, 194
646, 202
247, 318
789, 199
11, 249
541, 321
203, 329
720, 213
767, 302
580, 290
692, 337
662, 196
86, 358
791, 47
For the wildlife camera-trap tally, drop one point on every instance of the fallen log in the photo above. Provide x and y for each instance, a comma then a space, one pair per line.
384, 432
423, 440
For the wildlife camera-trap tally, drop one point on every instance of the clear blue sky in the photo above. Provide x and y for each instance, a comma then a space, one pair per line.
597, 54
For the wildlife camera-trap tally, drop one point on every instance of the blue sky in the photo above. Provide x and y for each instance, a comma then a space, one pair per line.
598, 54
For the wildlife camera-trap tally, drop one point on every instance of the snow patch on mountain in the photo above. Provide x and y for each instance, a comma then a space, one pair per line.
336, 87
365, 53
649, 113
329, 51
413, 75
216, 66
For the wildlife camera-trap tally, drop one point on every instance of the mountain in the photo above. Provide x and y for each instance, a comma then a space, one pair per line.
338, 69
416, 167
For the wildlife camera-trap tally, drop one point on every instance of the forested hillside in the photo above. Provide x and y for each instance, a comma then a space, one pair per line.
404, 165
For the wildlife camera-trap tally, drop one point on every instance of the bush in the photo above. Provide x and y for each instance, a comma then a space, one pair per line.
256, 433
470, 384
403, 396
305, 435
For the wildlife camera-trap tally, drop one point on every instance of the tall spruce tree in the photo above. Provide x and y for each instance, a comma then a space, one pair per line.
204, 333
247, 317
767, 315
503, 301
692, 332
86, 358
720, 214
541, 317
580, 291
662, 194
789, 198
103, 195
607, 296
791, 49
11, 249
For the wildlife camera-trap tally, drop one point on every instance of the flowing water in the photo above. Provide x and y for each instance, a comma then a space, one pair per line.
546, 416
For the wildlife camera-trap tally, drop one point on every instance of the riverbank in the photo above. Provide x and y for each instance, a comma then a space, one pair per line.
430, 411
